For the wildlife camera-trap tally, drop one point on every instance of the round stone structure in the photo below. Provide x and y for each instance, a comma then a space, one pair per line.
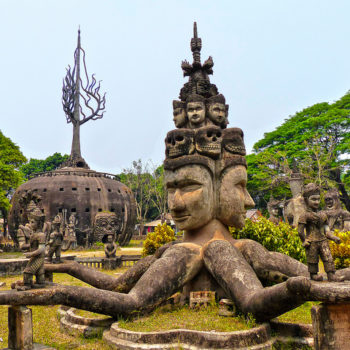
83, 192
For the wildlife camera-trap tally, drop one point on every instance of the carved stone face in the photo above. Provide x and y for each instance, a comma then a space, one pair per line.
234, 198
233, 141
195, 114
179, 117
217, 113
179, 143
208, 141
190, 196
329, 202
274, 211
313, 201
34, 224
105, 224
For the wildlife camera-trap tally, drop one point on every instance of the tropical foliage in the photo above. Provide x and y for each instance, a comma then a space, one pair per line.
162, 234
315, 140
280, 238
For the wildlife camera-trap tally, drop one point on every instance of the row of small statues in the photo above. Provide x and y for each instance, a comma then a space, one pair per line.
39, 239
198, 111
316, 227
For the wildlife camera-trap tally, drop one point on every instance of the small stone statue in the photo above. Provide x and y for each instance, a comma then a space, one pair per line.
314, 233
338, 218
55, 240
273, 208
36, 255
110, 247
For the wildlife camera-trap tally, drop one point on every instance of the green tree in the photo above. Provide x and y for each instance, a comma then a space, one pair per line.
317, 139
40, 165
146, 182
11, 158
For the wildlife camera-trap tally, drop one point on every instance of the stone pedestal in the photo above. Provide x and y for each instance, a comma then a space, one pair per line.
20, 328
331, 326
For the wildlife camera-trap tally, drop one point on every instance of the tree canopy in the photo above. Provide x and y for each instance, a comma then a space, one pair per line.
11, 158
315, 140
146, 182
40, 165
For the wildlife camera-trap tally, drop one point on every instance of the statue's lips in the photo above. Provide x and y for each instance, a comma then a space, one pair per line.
181, 218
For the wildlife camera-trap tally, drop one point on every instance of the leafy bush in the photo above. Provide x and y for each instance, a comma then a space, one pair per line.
341, 252
162, 234
280, 238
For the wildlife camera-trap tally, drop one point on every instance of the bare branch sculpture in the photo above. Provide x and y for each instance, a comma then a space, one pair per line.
93, 107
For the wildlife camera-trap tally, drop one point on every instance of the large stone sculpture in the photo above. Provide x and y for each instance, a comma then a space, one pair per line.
106, 224
74, 188
314, 233
205, 176
338, 218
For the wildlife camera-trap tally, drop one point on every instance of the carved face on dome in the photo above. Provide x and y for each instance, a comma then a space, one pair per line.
105, 224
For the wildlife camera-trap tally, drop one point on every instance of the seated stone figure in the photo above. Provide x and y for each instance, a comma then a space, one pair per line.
338, 218
314, 233
110, 247
205, 176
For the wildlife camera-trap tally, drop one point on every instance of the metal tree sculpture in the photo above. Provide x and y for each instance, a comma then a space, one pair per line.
93, 108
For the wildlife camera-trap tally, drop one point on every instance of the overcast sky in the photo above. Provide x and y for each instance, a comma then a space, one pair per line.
271, 59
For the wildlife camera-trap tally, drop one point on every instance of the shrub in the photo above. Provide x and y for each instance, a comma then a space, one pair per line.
280, 238
162, 234
341, 252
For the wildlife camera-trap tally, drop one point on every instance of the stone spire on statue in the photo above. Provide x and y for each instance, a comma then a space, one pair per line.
93, 108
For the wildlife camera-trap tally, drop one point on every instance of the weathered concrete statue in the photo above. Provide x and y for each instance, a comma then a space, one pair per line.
36, 255
110, 247
55, 239
205, 176
273, 207
338, 218
314, 233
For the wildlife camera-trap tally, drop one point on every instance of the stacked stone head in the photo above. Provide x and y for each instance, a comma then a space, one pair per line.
201, 136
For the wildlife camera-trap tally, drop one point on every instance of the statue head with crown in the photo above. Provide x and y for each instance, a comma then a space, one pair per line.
205, 167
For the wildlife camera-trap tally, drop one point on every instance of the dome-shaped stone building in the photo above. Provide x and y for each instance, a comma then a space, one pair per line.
74, 190
80, 191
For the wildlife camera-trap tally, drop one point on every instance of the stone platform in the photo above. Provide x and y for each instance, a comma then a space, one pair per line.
77, 325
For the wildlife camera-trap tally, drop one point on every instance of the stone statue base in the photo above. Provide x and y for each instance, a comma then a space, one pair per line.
331, 325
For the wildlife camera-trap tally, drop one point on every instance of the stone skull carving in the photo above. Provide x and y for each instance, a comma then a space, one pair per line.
179, 143
208, 141
233, 141
105, 224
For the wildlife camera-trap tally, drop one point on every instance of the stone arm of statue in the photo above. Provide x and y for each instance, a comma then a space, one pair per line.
301, 232
39, 251
330, 235
114, 250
